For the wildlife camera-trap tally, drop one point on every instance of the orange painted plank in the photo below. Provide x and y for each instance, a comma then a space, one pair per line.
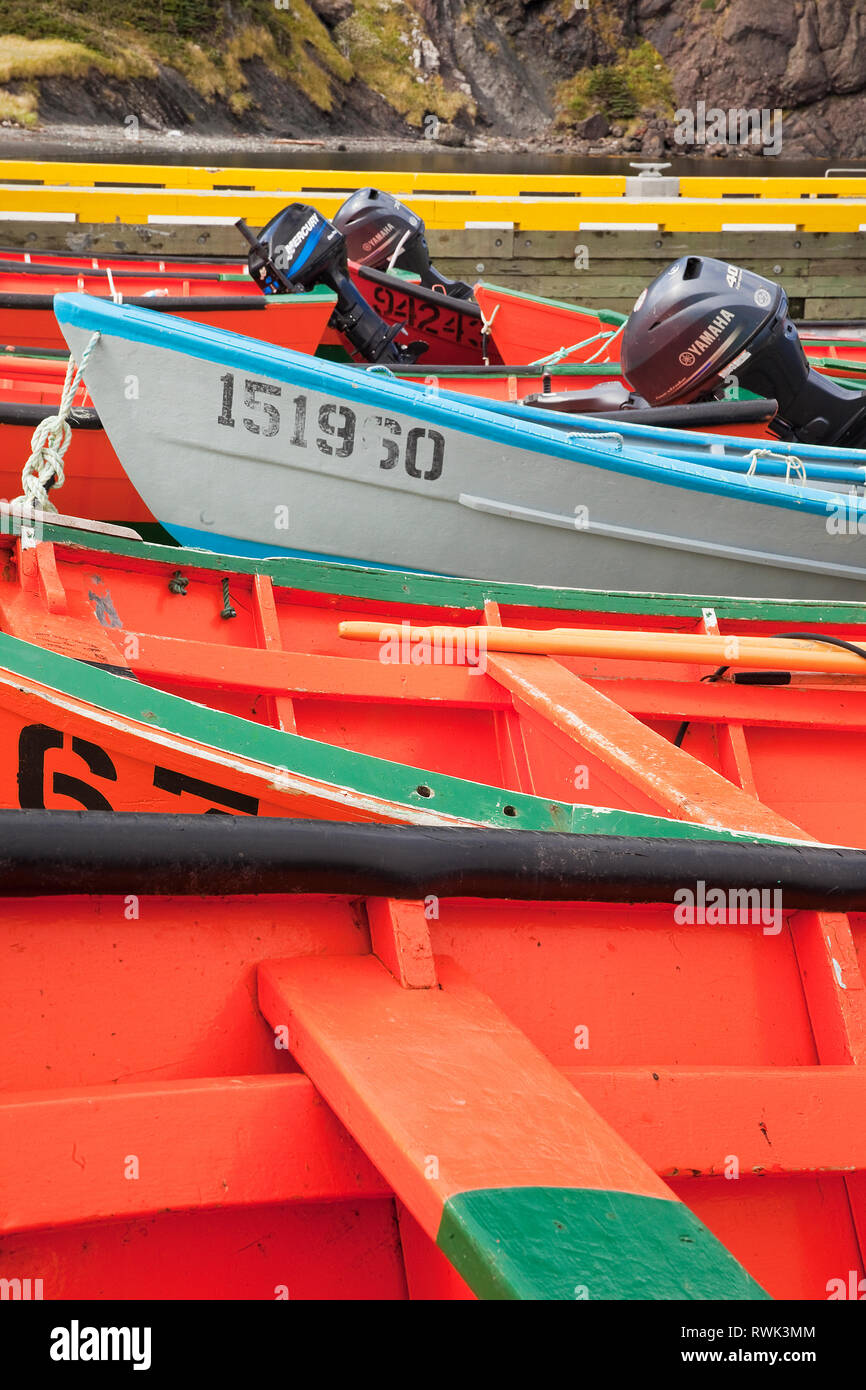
229, 1142
786, 707
834, 985
400, 937
237, 1141
678, 784
439, 1088
687, 1122
281, 710
277, 672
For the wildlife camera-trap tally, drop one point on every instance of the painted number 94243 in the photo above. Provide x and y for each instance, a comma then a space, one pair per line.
333, 429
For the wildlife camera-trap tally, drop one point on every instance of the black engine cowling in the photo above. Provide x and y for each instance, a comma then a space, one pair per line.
702, 321
299, 249
381, 232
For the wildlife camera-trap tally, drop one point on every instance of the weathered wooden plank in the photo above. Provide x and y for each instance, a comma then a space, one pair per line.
844, 307
735, 246
451, 242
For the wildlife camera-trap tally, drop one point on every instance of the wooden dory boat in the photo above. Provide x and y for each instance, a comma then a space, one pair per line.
97, 486
526, 328
374, 469
260, 648
334, 1089
299, 321
699, 1037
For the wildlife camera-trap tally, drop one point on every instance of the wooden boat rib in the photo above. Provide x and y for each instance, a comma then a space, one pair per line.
527, 328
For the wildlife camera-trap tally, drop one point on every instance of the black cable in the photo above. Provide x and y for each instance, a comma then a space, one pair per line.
791, 636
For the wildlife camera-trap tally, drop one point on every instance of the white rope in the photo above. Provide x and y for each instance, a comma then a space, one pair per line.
486, 325
609, 343
792, 465
397, 249
799, 469
553, 357
51, 440
606, 436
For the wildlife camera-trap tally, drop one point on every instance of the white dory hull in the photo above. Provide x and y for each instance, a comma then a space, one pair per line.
237, 446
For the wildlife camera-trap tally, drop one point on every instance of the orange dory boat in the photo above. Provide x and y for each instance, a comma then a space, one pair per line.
334, 1047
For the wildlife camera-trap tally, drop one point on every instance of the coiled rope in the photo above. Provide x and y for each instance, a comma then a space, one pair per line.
51, 439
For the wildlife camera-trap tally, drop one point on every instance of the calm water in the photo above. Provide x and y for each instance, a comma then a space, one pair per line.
425, 156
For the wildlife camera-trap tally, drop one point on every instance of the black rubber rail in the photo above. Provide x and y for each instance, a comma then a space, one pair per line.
45, 853
81, 417
162, 304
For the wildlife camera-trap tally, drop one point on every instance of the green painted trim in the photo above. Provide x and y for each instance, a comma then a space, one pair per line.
549, 1243
566, 370
390, 586
390, 782
859, 367
320, 294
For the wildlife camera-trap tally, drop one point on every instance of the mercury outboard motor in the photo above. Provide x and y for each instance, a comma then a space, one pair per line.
299, 249
703, 320
381, 232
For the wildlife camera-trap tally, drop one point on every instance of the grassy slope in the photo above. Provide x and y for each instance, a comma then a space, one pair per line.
209, 46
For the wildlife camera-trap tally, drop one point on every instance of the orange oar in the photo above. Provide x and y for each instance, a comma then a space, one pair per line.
419, 645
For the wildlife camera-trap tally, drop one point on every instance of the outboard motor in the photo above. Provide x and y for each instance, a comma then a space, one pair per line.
299, 249
381, 232
703, 320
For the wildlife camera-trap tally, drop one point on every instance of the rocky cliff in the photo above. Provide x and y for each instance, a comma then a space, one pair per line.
606, 75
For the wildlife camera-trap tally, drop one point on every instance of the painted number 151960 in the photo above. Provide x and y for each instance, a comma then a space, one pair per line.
422, 451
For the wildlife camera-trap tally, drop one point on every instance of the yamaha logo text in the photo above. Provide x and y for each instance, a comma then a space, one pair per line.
713, 330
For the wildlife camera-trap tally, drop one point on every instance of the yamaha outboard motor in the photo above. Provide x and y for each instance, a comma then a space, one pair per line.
381, 232
702, 320
299, 249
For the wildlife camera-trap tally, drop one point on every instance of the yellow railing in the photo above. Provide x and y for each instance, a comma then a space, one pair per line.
133, 193
171, 176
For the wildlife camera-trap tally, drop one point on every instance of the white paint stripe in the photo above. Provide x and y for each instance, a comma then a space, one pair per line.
38, 217
617, 226
193, 220
759, 227
489, 226
630, 534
